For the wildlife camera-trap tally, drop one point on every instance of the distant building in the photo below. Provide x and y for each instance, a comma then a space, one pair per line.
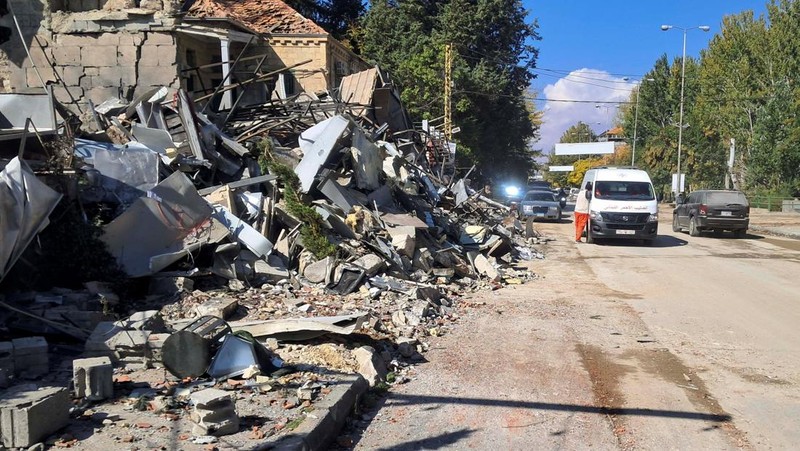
615, 135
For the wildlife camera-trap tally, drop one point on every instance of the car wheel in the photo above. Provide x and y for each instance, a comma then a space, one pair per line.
693, 230
676, 226
741, 233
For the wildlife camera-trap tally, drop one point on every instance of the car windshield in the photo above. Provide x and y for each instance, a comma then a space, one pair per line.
726, 198
540, 196
622, 190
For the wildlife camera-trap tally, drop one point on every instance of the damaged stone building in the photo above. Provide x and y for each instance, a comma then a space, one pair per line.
95, 50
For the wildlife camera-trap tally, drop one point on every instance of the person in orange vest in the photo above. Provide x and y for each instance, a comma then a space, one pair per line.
582, 211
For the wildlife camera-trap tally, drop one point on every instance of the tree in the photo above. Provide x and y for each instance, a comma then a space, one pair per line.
492, 66
337, 17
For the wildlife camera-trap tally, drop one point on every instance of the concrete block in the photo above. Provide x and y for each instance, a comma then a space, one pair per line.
156, 76
71, 74
167, 55
28, 415
156, 38
116, 76
370, 365
403, 239
214, 413
93, 378
148, 55
67, 56
219, 307
99, 56
99, 95
127, 55
71, 40
31, 357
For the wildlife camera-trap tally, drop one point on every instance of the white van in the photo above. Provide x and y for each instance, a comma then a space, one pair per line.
622, 204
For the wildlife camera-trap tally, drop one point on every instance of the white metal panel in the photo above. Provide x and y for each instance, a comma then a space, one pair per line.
561, 168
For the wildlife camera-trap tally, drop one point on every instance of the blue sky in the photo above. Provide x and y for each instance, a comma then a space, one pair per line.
588, 47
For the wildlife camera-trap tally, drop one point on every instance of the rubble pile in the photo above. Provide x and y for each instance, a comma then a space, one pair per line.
257, 229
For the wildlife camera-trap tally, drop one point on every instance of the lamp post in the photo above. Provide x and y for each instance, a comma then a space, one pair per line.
636, 118
683, 76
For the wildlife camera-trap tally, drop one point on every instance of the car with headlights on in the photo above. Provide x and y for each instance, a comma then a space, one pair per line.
540, 205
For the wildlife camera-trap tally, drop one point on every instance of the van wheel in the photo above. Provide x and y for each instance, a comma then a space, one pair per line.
741, 233
693, 230
676, 226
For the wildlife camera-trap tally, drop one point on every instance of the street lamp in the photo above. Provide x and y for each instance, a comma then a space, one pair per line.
636, 117
683, 75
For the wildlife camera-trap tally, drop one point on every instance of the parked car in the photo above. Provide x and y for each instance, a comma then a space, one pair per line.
540, 204
716, 210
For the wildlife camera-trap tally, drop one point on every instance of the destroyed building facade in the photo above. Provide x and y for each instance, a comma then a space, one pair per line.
101, 49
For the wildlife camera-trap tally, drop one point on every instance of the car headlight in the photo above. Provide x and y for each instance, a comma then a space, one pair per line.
653, 217
595, 215
512, 191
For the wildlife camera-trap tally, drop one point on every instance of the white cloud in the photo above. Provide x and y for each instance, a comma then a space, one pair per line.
585, 85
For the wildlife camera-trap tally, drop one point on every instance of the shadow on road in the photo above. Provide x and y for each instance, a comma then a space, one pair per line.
436, 442
660, 241
399, 399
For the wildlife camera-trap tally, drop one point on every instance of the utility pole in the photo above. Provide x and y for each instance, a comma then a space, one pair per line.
448, 81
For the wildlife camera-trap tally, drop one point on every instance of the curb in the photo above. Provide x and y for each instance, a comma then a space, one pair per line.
316, 433
776, 231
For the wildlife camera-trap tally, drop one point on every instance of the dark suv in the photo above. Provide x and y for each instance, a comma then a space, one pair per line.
715, 210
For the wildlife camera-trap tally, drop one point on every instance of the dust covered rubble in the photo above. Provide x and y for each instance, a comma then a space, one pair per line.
335, 243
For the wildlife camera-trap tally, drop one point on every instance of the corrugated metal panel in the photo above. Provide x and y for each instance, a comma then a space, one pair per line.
358, 88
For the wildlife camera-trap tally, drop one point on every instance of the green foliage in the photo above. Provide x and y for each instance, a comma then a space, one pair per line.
314, 240
492, 65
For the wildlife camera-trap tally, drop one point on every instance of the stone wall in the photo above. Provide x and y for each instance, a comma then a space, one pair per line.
289, 50
99, 54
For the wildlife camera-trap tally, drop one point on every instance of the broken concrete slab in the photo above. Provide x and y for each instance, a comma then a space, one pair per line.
302, 328
28, 415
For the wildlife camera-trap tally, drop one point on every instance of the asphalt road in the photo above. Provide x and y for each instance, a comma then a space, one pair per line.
692, 343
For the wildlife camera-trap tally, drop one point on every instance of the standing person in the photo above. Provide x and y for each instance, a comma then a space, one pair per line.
582, 211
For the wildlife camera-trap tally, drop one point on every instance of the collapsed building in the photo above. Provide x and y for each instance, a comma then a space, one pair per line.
261, 182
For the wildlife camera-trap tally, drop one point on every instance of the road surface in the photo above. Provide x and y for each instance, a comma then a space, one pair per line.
692, 343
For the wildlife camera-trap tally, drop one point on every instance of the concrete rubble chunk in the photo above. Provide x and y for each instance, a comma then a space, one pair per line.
214, 413
371, 263
318, 271
170, 285
219, 307
93, 378
370, 365
28, 415
485, 267
31, 357
403, 239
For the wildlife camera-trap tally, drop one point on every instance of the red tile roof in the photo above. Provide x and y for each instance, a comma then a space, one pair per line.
262, 16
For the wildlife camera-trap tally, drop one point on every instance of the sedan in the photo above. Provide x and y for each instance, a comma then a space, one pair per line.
540, 204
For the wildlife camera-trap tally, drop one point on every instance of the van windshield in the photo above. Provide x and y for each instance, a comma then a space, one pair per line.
622, 190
